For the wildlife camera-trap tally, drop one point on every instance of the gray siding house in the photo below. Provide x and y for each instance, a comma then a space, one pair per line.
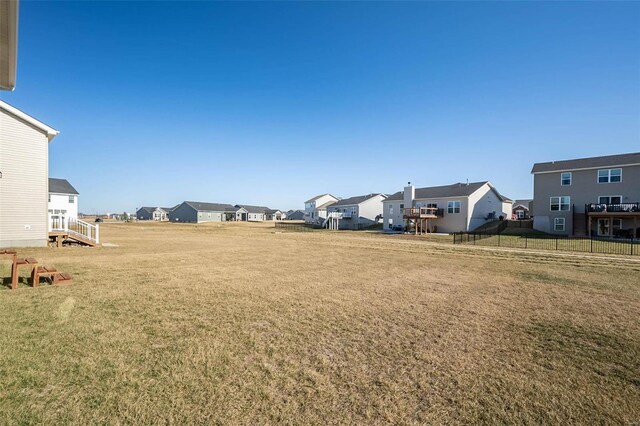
597, 196
24, 178
460, 207
315, 209
356, 212
522, 209
253, 213
295, 215
197, 212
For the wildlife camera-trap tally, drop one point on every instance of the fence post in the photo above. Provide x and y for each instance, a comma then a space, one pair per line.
631, 242
498, 240
525, 240
591, 239
474, 238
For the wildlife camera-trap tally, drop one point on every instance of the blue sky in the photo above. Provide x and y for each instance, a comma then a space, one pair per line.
273, 103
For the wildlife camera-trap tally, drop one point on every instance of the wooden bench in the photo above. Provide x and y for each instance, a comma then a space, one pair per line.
44, 272
17, 263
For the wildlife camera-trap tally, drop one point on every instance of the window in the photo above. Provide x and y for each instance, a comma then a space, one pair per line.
520, 214
49, 197
432, 205
609, 175
71, 199
402, 206
560, 204
610, 199
453, 207
558, 224
390, 209
354, 211
565, 178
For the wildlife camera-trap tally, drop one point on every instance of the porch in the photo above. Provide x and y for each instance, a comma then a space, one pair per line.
64, 229
613, 220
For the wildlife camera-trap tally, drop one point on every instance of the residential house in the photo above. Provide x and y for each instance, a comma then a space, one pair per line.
198, 212
160, 214
460, 207
315, 209
254, 213
596, 196
63, 202
274, 214
24, 180
522, 209
356, 212
295, 215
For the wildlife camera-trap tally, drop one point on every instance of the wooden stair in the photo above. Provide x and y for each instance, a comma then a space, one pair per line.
55, 277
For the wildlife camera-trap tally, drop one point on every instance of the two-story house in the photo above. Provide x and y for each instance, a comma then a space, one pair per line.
598, 196
63, 201
460, 207
356, 212
315, 209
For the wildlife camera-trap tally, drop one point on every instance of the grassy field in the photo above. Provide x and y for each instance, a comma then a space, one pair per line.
186, 324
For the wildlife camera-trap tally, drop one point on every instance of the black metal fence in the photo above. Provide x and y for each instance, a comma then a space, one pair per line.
628, 246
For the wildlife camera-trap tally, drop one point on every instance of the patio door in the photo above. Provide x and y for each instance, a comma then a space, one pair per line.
604, 226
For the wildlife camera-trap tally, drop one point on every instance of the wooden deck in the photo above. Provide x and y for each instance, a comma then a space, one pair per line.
57, 238
422, 213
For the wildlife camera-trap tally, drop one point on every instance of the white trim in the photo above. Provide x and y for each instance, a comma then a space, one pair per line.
9, 26
564, 224
560, 197
616, 166
609, 197
454, 208
570, 179
608, 175
50, 131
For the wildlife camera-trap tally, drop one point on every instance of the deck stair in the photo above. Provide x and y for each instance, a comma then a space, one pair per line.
74, 231
55, 277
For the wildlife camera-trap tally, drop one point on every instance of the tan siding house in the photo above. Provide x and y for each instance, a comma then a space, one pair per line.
24, 180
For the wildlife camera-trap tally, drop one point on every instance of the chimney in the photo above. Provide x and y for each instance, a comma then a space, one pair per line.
409, 195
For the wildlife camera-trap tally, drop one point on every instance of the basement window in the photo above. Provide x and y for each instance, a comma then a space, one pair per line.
558, 224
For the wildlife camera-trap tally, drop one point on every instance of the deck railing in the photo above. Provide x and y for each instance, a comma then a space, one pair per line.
612, 208
87, 230
422, 211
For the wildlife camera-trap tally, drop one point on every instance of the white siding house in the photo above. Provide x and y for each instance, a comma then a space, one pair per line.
63, 201
24, 186
460, 207
315, 209
356, 212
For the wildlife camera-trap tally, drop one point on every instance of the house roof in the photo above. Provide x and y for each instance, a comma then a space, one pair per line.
49, 131
8, 44
253, 209
355, 200
149, 210
319, 196
61, 186
523, 203
211, 207
325, 205
168, 209
272, 211
587, 163
455, 190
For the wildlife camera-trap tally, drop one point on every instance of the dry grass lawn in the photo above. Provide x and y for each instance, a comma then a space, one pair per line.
212, 324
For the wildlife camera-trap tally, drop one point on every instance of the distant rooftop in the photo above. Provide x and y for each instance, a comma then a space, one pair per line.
587, 163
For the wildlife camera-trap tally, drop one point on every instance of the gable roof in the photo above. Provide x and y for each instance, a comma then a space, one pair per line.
49, 131
272, 211
253, 209
169, 209
454, 190
61, 186
321, 195
356, 200
149, 210
587, 163
523, 203
211, 207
